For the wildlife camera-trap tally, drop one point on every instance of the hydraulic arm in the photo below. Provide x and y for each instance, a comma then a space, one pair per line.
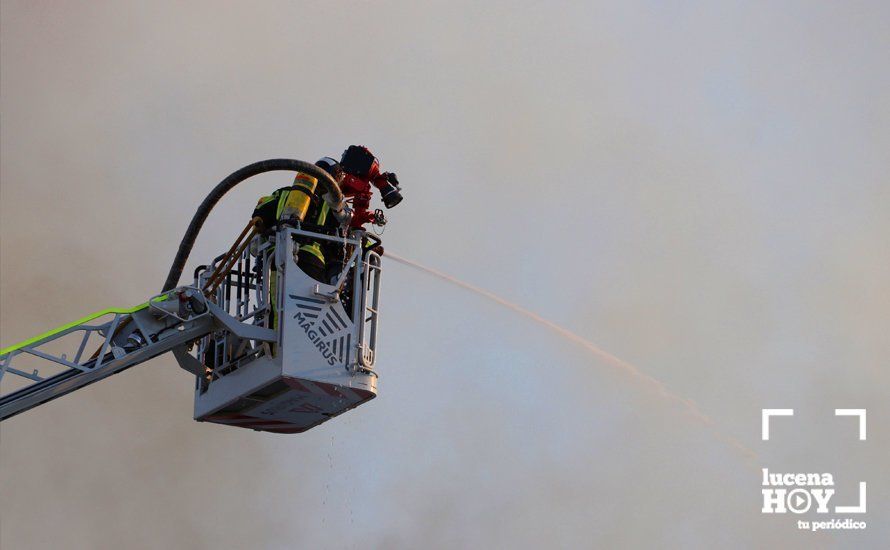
124, 337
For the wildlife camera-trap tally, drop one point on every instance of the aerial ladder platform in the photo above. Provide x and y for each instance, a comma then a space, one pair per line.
271, 348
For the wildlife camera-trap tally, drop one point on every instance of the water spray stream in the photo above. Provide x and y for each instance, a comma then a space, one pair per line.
690, 407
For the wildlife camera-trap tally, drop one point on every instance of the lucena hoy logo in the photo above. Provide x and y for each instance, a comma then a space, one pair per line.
800, 493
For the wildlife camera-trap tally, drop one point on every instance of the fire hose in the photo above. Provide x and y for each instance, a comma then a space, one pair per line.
332, 195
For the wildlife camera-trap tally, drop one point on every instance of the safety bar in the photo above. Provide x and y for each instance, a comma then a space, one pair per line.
238, 283
370, 317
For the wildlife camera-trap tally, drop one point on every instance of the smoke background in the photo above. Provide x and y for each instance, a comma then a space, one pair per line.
699, 188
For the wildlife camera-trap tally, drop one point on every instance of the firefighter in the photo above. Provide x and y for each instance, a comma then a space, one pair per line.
334, 252
357, 171
299, 203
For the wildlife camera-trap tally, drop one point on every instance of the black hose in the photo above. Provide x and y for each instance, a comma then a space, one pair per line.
333, 195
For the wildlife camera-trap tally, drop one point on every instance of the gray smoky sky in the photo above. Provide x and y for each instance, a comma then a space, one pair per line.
699, 188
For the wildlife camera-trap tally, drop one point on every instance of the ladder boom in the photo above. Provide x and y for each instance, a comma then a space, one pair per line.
130, 337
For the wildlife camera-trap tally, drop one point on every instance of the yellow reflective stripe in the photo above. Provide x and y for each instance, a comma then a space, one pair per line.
313, 249
264, 200
323, 213
282, 199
